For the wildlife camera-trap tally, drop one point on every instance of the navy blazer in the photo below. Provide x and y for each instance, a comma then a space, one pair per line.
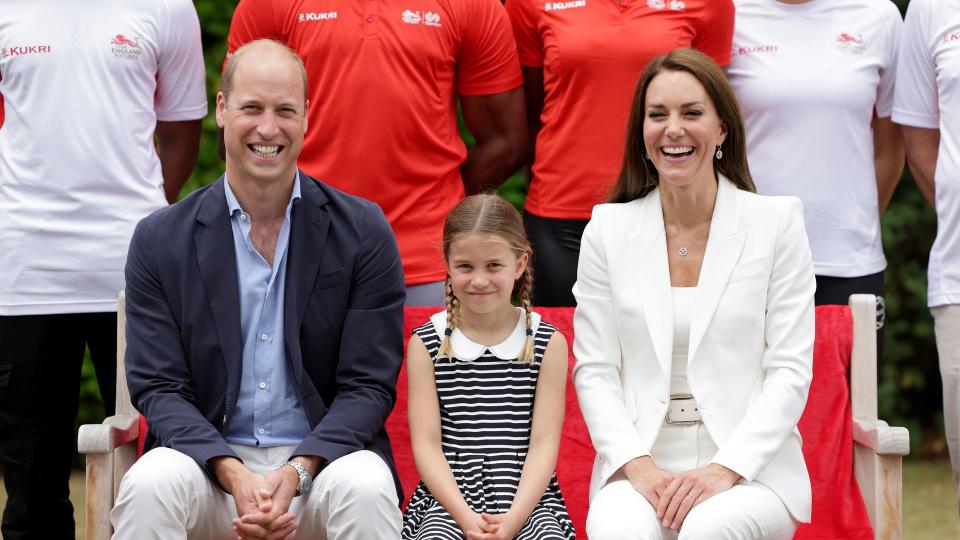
343, 322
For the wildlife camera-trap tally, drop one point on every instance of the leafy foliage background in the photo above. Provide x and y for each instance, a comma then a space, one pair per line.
910, 391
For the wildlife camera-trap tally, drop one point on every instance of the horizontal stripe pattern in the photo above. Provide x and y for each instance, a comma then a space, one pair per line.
486, 413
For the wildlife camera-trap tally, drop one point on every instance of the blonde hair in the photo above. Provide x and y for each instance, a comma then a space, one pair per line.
489, 215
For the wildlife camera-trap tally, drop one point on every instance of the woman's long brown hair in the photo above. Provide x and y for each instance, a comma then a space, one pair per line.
638, 176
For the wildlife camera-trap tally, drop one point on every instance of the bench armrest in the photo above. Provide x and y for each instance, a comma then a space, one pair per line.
103, 438
881, 438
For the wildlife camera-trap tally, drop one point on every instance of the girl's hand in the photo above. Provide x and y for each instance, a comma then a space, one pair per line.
498, 527
472, 524
691, 488
649, 480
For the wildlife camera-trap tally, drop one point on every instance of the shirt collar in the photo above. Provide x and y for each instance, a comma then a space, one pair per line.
233, 205
508, 349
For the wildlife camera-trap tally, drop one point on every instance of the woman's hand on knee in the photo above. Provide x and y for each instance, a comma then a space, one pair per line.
691, 488
648, 479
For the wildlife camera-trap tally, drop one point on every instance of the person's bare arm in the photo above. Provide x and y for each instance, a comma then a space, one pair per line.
177, 146
423, 414
498, 123
541, 460
923, 146
533, 93
888, 159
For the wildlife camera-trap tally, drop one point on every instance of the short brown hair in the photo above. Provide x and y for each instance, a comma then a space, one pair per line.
638, 176
233, 60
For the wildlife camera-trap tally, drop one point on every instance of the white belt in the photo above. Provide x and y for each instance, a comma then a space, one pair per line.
683, 410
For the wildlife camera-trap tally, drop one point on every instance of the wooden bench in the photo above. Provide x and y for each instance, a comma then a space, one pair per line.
111, 447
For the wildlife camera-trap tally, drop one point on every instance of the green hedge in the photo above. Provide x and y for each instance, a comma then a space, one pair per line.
909, 377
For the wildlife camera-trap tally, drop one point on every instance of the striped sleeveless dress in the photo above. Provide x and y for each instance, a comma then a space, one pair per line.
486, 412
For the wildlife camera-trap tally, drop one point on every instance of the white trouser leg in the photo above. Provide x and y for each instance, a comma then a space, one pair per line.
352, 498
947, 327
619, 512
165, 496
745, 511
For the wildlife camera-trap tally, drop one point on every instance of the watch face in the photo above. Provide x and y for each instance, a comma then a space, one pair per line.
305, 483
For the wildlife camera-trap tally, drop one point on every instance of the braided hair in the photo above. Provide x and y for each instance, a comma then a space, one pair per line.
489, 214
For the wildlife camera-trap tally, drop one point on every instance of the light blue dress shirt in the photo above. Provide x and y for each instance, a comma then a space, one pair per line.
268, 411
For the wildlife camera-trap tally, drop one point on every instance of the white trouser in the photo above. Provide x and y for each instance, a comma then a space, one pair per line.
165, 495
747, 511
946, 320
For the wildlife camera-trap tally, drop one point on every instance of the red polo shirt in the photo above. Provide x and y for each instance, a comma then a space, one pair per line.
383, 80
592, 53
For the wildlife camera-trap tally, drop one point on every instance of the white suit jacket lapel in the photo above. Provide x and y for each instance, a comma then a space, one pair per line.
722, 252
653, 273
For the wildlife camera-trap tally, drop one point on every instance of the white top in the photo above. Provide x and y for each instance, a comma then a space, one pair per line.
466, 349
83, 86
928, 96
808, 77
682, 311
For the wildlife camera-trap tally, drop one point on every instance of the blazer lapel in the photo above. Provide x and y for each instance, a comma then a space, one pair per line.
650, 254
308, 238
722, 252
218, 271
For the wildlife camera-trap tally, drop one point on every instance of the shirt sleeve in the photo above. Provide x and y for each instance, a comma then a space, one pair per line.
885, 91
253, 19
715, 36
916, 99
488, 62
181, 75
523, 16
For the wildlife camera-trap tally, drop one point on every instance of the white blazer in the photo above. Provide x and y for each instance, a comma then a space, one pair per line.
751, 336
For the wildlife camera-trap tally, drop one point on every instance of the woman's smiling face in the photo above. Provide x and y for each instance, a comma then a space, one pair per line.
681, 129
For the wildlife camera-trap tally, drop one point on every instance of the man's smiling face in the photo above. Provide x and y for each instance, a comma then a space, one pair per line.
264, 117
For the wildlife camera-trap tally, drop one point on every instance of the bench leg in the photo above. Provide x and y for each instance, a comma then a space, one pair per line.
880, 480
99, 494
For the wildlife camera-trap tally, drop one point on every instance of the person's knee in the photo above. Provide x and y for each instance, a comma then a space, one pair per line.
361, 478
713, 522
614, 518
724, 522
160, 473
620, 529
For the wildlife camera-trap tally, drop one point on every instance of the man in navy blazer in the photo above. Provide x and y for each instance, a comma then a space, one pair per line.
264, 339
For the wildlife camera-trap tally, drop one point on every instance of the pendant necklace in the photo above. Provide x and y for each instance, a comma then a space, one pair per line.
683, 250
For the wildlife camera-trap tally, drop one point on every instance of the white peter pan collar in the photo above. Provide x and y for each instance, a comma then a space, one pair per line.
508, 349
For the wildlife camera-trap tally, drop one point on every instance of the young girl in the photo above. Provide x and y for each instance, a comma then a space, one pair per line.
486, 391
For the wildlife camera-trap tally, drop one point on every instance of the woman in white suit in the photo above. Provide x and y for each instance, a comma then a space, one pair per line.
694, 326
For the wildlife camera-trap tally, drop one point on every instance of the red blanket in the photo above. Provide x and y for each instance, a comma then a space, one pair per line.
826, 426
827, 429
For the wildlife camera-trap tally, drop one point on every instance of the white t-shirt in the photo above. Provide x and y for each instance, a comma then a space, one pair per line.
84, 84
928, 96
808, 77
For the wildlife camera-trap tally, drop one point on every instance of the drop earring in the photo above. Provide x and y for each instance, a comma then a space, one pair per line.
719, 153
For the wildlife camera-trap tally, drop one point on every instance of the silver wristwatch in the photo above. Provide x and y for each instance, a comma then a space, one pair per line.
303, 486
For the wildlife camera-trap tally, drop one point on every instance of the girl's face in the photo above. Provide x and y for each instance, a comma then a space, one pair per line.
681, 129
483, 271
